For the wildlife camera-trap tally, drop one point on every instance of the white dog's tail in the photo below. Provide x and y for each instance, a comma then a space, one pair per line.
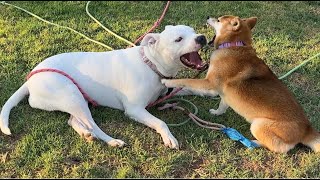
12, 101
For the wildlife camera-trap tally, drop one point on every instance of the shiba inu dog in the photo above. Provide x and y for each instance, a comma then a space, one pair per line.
246, 84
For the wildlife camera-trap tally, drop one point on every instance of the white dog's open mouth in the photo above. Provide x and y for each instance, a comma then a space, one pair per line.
194, 61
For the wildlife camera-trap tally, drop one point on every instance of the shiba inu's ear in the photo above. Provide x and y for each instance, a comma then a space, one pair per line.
235, 23
251, 21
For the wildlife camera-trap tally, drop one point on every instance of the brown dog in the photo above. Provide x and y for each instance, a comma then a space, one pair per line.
246, 84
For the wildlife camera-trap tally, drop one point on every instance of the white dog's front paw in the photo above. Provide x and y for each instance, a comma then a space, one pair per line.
170, 141
216, 112
116, 143
6, 130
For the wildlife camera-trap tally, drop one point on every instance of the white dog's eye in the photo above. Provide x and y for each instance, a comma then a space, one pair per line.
179, 39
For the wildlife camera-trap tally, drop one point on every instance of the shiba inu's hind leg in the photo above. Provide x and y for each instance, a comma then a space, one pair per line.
269, 134
312, 139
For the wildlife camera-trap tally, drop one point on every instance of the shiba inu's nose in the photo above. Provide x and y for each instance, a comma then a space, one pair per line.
201, 40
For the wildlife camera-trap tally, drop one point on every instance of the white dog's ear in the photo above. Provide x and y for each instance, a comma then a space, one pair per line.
150, 39
168, 26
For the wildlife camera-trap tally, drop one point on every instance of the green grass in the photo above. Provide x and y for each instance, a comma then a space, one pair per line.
44, 146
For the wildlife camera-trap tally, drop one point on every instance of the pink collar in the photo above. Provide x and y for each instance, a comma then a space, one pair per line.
151, 65
230, 44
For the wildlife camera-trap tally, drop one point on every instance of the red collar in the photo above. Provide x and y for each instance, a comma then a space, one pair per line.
151, 65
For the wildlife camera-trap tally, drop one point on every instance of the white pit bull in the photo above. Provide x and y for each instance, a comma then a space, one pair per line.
118, 79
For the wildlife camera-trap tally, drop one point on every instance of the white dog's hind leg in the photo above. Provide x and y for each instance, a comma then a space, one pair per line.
141, 115
78, 107
64, 96
85, 117
80, 128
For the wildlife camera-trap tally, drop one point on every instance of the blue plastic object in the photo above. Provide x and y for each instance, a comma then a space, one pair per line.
235, 135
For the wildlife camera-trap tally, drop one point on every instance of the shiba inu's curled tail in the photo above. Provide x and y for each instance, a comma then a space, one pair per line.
12, 101
312, 139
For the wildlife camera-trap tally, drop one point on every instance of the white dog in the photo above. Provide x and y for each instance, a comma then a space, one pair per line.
121, 79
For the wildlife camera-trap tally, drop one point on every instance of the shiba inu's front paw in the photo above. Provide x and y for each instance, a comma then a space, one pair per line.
168, 83
217, 112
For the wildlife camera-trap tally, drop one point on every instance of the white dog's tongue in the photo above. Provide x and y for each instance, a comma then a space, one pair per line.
193, 60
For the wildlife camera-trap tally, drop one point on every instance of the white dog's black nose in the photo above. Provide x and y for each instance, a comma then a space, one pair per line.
208, 17
201, 40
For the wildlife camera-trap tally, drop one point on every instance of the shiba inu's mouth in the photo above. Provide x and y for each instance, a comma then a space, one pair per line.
211, 43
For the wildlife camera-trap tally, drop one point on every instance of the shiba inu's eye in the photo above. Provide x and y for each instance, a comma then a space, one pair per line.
179, 39
218, 20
